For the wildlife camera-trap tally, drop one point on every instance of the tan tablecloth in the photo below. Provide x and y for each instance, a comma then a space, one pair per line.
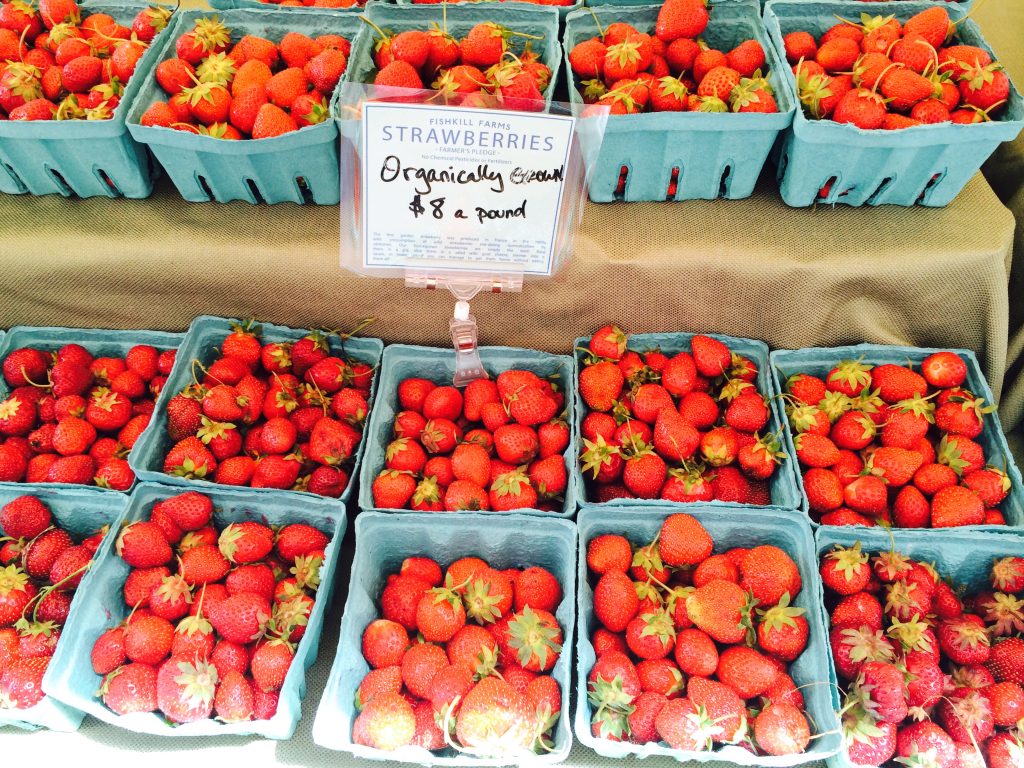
756, 268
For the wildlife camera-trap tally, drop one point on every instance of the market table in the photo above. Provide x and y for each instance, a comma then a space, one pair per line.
755, 268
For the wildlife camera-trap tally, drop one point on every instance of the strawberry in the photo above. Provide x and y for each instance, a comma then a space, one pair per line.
681, 19
683, 541
185, 689
782, 729
147, 639
24, 517
845, 570
600, 385
587, 61
142, 545
615, 600
722, 704
21, 682
881, 689
768, 573
718, 608
272, 121
270, 663
783, 630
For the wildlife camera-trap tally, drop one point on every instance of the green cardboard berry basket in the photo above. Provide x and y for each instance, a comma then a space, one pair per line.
818, 361
201, 343
100, 342
71, 678
461, 17
965, 556
784, 490
84, 158
811, 670
715, 155
925, 164
401, 362
297, 167
382, 542
81, 513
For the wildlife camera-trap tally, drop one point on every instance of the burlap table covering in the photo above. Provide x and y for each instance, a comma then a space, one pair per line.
756, 268
1003, 24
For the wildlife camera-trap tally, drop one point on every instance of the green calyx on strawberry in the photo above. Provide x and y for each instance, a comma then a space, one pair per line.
481, 605
659, 625
594, 89
976, 404
211, 430
812, 91
835, 404
211, 34
852, 375
307, 571
780, 615
199, 680
217, 68
608, 696
597, 453
287, 616
532, 638
847, 560
951, 455
913, 634
1005, 615
919, 406
732, 389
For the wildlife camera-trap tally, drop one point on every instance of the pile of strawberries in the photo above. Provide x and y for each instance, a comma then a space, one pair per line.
881, 74
672, 70
215, 614
499, 445
254, 89
887, 445
481, 70
40, 568
934, 679
477, 674
673, 617
681, 428
286, 415
60, 66
72, 417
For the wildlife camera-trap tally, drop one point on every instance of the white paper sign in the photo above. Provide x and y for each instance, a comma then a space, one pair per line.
464, 189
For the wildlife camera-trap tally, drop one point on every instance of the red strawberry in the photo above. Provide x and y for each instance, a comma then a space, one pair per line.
186, 689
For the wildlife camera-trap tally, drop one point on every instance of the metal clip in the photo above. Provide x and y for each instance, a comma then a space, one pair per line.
468, 366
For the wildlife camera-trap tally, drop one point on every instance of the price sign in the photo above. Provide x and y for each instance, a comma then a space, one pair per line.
464, 189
